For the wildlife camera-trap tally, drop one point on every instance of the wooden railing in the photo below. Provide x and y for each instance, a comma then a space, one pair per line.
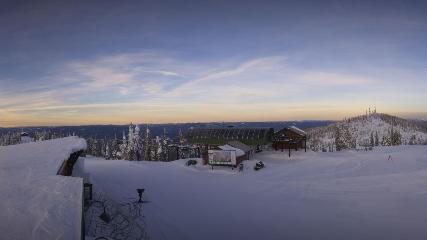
66, 169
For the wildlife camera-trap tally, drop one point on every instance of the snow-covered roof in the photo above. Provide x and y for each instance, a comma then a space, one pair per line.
240, 145
239, 152
298, 130
36, 203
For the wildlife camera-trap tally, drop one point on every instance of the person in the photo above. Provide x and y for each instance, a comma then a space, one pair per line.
389, 158
241, 167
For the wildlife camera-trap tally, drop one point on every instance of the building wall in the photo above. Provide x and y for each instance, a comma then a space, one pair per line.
284, 145
286, 133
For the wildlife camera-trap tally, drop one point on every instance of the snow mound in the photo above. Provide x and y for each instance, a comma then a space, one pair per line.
36, 203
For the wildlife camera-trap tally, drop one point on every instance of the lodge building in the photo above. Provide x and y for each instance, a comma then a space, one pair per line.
248, 140
290, 138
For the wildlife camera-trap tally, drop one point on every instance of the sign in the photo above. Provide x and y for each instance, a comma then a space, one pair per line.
222, 157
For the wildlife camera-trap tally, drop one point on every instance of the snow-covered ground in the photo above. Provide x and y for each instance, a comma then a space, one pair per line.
337, 195
35, 203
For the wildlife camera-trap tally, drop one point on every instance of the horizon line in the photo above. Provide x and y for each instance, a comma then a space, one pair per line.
201, 122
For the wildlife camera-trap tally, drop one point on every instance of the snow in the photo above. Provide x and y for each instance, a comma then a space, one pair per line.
239, 152
313, 195
36, 203
298, 130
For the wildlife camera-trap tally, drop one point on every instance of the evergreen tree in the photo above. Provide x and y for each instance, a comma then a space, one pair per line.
131, 143
165, 143
123, 148
182, 139
115, 148
412, 140
339, 145
138, 145
376, 139
395, 137
147, 145
107, 153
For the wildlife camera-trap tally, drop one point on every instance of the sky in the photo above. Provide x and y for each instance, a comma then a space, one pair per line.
115, 62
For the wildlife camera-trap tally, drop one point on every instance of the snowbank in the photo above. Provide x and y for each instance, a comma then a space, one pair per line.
36, 203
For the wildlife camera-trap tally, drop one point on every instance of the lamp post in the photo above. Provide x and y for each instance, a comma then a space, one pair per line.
105, 216
140, 191
289, 146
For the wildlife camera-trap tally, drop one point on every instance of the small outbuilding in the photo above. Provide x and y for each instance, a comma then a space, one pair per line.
226, 155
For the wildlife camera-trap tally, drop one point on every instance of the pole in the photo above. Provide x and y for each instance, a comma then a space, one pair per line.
305, 145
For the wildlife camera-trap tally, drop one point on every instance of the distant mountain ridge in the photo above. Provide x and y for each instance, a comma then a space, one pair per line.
367, 131
172, 129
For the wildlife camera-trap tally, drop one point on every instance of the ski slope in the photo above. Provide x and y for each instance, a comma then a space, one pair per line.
380, 194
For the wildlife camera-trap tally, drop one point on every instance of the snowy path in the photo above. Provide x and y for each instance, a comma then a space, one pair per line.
344, 195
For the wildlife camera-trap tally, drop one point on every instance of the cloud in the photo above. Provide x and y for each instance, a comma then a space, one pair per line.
163, 88
230, 77
336, 79
269, 80
124, 91
101, 75
164, 73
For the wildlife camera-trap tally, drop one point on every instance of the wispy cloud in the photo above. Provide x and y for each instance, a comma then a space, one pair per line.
131, 86
336, 79
164, 73
225, 78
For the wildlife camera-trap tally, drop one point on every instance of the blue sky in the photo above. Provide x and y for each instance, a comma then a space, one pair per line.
101, 62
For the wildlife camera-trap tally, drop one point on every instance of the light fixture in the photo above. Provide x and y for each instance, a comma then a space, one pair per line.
140, 191
105, 216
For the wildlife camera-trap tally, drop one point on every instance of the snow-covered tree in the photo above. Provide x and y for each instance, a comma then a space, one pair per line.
377, 140
123, 148
148, 145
